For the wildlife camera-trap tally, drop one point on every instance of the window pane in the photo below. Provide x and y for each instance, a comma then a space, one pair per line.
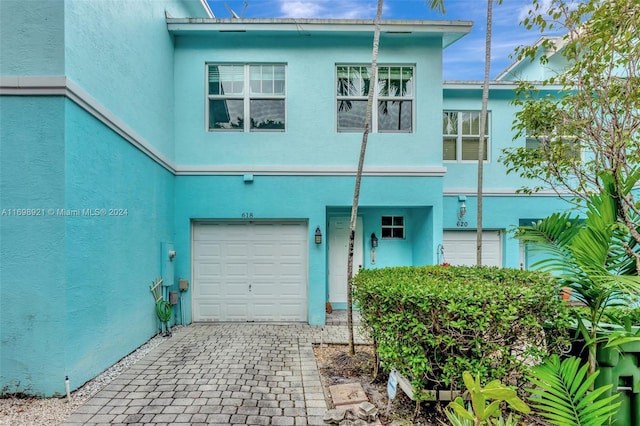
450, 123
255, 79
362, 75
214, 80
400, 81
278, 79
226, 79
395, 116
398, 220
226, 114
267, 114
397, 232
470, 149
351, 115
386, 233
353, 81
449, 149
383, 81
475, 123
465, 119
267, 79
342, 88
387, 220
407, 78
532, 143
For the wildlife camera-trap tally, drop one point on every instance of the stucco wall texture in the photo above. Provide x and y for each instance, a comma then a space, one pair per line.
99, 181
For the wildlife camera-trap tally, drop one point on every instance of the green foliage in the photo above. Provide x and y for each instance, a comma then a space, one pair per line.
432, 323
623, 315
593, 100
562, 394
484, 408
595, 257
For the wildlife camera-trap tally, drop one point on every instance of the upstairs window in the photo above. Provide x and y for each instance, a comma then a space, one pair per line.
393, 227
461, 135
393, 98
565, 147
246, 98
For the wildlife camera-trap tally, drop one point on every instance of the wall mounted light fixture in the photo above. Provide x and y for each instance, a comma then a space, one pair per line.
374, 240
318, 235
462, 211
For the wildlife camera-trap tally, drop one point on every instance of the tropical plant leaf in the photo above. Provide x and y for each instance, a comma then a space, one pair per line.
562, 394
459, 418
594, 257
469, 382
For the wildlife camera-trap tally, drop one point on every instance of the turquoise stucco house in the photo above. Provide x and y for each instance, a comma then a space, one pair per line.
152, 140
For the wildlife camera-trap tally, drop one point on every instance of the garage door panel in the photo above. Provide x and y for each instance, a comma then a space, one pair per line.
209, 289
208, 249
264, 249
262, 269
288, 290
264, 289
209, 311
243, 270
234, 289
239, 268
209, 270
235, 312
290, 249
289, 270
287, 312
235, 249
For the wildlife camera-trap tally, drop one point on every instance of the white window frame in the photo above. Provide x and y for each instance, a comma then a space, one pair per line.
246, 97
377, 98
459, 136
393, 226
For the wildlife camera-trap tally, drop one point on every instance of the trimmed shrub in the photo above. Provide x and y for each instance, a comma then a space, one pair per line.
432, 323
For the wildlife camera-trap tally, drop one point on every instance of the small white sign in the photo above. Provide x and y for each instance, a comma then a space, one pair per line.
392, 384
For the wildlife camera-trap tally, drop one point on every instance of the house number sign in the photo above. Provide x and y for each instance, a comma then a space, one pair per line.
247, 215
462, 224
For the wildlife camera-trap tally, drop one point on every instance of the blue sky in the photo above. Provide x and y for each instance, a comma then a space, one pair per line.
464, 60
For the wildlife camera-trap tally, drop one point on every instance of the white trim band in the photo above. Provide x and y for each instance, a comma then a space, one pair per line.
62, 86
311, 171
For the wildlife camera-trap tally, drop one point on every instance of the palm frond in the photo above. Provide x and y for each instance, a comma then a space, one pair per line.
437, 5
562, 394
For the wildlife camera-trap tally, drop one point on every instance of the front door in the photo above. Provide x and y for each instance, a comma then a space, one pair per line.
338, 249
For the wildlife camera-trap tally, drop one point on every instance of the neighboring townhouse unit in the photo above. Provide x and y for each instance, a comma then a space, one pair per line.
151, 140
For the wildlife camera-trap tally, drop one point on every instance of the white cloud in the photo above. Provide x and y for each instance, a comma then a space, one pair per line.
301, 9
329, 9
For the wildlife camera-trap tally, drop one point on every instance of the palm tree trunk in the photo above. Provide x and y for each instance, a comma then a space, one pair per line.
483, 121
356, 193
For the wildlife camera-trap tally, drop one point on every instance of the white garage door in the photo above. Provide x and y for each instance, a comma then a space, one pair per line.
460, 247
250, 271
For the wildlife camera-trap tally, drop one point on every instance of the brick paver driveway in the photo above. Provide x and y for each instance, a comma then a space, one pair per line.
220, 374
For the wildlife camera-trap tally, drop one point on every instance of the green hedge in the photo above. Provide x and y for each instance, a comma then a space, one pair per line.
432, 323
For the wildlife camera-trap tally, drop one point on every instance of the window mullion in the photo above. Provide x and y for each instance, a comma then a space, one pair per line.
373, 85
247, 98
459, 138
